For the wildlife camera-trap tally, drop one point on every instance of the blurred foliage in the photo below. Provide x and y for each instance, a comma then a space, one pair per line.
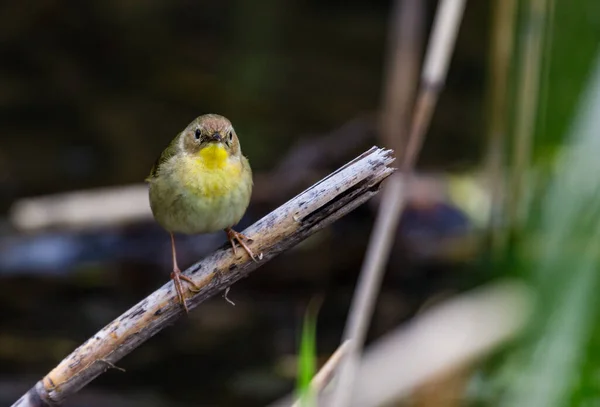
573, 39
556, 363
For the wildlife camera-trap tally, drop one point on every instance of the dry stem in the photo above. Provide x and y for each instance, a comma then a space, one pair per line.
325, 374
315, 208
437, 60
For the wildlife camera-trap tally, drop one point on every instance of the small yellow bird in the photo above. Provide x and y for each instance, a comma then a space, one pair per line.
201, 183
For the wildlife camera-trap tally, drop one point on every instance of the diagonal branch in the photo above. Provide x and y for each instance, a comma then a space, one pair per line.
315, 208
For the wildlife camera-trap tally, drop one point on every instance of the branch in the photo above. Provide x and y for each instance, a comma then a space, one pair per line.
435, 69
315, 208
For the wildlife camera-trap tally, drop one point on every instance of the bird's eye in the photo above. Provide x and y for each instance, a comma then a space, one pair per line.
197, 133
230, 136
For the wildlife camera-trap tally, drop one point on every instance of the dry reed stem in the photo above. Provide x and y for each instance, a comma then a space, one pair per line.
437, 61
325, 374
315, 208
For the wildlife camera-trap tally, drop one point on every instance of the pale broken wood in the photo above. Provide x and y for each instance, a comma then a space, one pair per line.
315, 208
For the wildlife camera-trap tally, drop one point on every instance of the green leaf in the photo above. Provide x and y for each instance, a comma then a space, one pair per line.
307, 358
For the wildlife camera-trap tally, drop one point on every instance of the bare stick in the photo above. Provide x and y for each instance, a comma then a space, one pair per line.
527, 107
405, 44
315, 208
323, 377
445, 30
504, 15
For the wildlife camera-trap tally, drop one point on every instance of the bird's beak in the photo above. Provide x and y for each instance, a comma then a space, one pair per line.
216, 137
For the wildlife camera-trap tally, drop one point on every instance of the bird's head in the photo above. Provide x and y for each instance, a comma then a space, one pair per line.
211, 135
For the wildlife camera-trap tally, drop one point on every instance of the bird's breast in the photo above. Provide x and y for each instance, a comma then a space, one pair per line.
191, 195
212, 174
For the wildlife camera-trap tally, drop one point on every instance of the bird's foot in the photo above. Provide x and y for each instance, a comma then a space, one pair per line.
242, 239
177, 276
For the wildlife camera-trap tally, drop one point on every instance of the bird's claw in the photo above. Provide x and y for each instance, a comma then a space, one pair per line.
177, 276
241, 239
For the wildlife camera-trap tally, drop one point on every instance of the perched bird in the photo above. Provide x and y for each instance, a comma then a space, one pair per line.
201, 183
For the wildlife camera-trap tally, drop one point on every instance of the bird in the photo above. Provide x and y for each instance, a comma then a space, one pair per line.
201, 183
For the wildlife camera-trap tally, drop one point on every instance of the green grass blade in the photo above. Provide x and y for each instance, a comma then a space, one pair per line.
307, 358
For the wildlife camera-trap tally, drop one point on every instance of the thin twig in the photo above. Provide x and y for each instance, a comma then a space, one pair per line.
445, 30
405, 44
504, 15
323, 377
315, 208
369, 282
527, 107
112, 365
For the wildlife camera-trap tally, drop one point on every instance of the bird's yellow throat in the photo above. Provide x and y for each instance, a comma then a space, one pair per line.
213, 156
212, 174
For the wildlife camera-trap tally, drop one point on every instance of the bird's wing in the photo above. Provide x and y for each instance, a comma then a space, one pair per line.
167, 153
